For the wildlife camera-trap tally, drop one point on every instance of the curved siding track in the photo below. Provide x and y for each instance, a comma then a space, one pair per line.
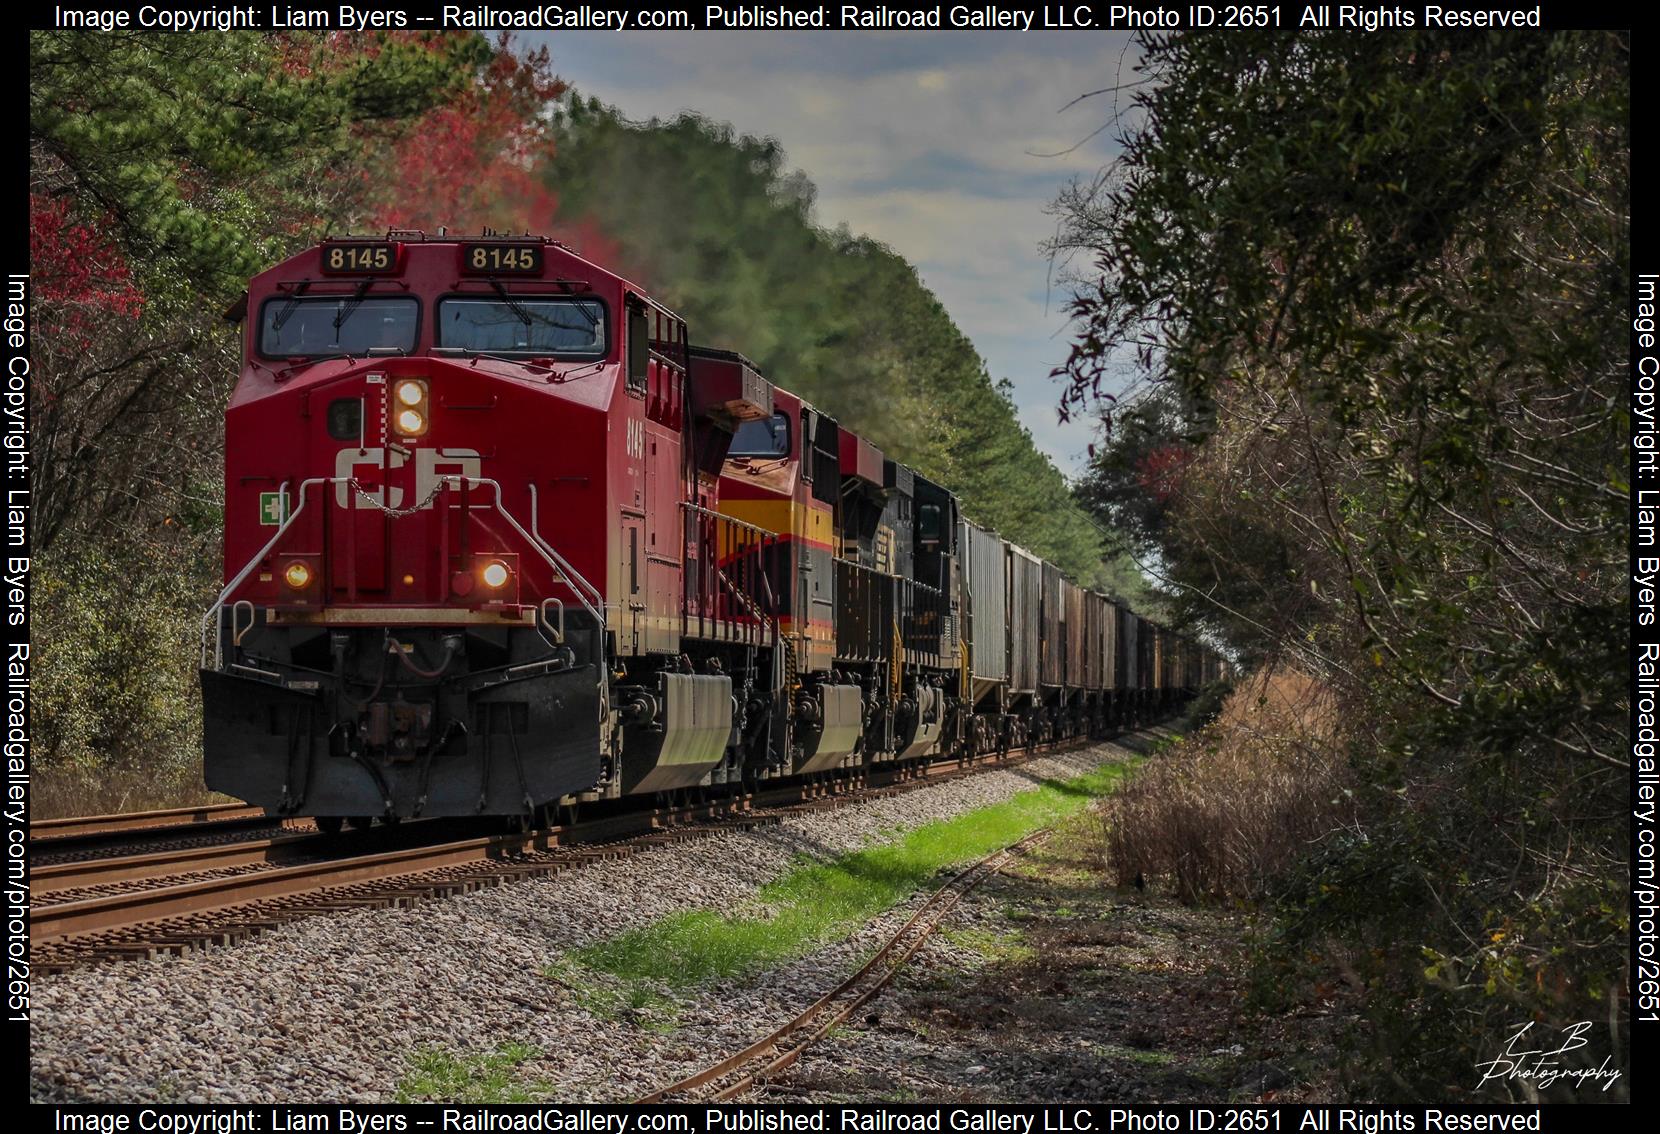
734, 1077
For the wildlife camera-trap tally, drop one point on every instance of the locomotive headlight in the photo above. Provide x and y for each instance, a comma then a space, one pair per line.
297, 575
495, 574
410, 403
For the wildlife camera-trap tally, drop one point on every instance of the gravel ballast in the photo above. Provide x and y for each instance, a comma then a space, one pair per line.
332, 1007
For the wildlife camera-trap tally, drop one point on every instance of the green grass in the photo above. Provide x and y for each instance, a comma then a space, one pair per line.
487, 1078
605, 997
1000, 948
820, 902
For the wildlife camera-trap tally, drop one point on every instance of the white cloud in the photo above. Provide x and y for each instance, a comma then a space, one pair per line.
929, 142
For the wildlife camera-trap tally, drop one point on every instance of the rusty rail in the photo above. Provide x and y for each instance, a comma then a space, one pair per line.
42, 830
733, 1077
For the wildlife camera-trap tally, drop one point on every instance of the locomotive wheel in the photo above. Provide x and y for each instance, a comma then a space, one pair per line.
330, 824
360, 822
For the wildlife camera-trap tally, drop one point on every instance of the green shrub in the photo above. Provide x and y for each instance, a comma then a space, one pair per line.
116, 711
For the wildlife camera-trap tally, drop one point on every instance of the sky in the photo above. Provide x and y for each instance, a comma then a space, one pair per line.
939, 144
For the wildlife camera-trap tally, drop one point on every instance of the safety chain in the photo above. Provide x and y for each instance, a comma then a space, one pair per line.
398, 513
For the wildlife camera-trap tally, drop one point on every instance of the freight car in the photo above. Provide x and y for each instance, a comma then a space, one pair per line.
498, 536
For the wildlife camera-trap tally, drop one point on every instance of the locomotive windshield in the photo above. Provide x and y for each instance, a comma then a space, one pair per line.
305, 326
767, 438
524, 325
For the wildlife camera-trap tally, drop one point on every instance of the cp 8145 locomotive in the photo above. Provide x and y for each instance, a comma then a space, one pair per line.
497, 537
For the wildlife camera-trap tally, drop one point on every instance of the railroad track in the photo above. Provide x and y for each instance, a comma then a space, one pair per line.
43, 830
51, 882
54, 841
178, 900
736, 1076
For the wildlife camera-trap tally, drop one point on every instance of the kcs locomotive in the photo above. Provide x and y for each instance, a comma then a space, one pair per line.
498, 537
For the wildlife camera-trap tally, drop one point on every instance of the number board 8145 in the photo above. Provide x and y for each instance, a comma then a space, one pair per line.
502, 259
360, 258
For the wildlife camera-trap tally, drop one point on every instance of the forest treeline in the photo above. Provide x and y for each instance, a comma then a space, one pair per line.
713, 223
165, 170
1376, 288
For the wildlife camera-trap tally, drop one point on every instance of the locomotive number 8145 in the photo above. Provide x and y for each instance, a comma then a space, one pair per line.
498, 537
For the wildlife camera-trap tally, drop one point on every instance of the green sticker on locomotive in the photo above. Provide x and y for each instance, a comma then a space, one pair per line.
273, 508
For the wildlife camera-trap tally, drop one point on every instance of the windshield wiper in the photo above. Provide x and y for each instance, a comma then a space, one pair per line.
527, 317
469, 352
349, 308
582, 310
513, 305
567, 375
475, 355
311, 360
287, 310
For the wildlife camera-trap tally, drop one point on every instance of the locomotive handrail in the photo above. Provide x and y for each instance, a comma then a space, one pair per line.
744, 600
913, 583
913, 602
542, 616
762, 540
563, 570
742, 525
210, 620
572, 575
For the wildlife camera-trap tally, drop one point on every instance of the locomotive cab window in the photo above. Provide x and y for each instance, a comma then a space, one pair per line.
346, 419
929, 528
769, 437
523, 324
639, 348
316, 325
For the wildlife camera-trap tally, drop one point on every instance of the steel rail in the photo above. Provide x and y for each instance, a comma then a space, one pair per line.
48, 923
80, 923
753, 1063
56, 877
45, 831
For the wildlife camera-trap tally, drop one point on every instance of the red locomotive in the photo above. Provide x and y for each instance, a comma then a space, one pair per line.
497, 536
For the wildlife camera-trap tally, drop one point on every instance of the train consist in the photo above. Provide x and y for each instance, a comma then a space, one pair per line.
498, 537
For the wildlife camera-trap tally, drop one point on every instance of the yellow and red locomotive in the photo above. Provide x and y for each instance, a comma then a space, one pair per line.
497, 536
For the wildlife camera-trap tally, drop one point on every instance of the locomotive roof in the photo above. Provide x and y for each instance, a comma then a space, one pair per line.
725, 356
416, 237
